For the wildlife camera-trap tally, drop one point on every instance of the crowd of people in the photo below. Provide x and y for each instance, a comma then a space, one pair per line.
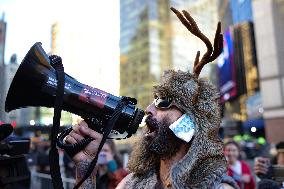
261, 170
110, 171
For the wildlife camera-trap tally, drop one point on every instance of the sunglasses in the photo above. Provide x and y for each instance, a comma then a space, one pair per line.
163, 102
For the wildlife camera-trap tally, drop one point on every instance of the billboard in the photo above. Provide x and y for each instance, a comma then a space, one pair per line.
226, 69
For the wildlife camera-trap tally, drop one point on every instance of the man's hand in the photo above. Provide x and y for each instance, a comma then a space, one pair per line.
261, 165
79, 132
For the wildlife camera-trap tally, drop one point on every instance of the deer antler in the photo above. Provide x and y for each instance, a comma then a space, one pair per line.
211, 54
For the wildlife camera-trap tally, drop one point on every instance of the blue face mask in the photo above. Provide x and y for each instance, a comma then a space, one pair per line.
183, 128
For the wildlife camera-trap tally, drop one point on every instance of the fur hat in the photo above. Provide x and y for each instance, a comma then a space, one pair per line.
204, 164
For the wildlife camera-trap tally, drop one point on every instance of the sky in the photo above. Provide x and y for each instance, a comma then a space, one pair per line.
94, 24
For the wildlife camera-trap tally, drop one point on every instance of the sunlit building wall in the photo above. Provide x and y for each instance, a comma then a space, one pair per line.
144, 43
184, 44
269, 29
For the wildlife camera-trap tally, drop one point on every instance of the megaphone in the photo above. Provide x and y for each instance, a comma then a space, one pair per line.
35, 83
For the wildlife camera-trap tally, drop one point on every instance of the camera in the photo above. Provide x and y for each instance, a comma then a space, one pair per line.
14, 171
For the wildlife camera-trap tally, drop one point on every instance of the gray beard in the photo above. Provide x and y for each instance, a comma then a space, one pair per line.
147, 152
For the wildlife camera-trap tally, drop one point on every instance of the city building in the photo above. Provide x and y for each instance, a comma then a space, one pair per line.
2, 51
184, 44
152, 39
142, 25
269, 29
238, 70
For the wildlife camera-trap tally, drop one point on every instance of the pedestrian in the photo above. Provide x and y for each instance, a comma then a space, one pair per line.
180, 147
265, 168
110, 168
239, 170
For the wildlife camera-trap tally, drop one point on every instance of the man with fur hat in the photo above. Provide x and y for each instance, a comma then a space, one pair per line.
181, 147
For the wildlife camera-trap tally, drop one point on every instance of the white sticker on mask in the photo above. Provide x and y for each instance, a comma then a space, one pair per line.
183, 128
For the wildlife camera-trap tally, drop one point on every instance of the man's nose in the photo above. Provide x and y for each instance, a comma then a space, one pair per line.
151, 109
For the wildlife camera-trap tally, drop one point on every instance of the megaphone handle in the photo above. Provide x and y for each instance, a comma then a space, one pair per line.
71, 149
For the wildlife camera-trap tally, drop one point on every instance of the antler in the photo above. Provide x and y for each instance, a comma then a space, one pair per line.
211, 54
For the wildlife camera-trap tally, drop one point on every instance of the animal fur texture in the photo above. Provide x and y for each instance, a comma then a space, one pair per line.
204, 165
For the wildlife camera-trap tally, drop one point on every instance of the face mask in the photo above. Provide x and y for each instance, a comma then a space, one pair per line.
183, 128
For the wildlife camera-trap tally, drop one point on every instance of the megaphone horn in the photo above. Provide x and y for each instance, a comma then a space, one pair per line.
35, 85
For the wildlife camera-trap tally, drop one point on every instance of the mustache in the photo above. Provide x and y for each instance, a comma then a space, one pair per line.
152, 122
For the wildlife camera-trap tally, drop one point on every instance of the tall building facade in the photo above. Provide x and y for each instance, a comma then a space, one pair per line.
152, 39
142, 26
2, 51
184, 44
269, 25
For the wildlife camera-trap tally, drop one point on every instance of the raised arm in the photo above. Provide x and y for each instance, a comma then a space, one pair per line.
83, 159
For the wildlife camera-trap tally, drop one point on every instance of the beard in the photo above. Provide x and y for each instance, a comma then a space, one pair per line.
159, 145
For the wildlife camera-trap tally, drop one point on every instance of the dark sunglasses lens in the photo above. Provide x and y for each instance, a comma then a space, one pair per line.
162, 103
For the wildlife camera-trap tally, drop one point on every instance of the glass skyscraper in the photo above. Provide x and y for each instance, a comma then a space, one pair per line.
152, 40
145, 46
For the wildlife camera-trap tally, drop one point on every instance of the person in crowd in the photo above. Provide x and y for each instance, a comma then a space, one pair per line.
110, 168
180, 147
238, 169
263, 165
